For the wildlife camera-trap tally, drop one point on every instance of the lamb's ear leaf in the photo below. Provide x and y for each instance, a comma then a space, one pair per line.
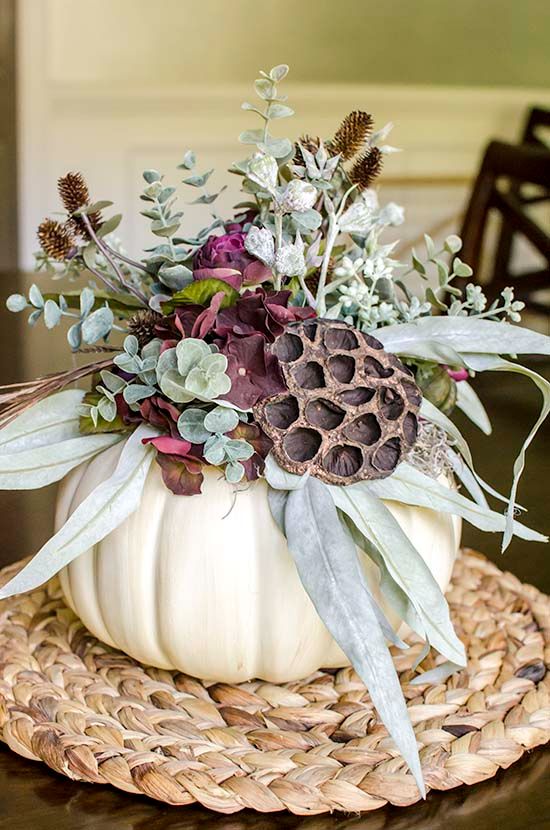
410, 486
461, 335
280, 479
51, 420
40, 466
435, 416
101, 512
468, 401
277, 500
488, 363
328, 565
406, 566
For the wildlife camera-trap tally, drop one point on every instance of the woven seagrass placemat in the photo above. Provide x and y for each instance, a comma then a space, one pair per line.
312, 746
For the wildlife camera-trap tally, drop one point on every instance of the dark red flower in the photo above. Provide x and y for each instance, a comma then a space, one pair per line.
225, 258
262, 444
259, 312
255, 372
182, 476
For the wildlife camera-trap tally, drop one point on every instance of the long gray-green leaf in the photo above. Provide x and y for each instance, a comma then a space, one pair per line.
468, 401
40, 466
485, 363
462, 335
410, 486
49, 421
408, 569
328, 566
101, 512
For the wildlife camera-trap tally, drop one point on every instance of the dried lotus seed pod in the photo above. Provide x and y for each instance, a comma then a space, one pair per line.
350, 412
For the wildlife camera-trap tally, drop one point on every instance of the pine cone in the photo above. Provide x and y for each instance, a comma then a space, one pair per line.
56, 240
142, 325
351, 135
350, 412
366, 169
73, 192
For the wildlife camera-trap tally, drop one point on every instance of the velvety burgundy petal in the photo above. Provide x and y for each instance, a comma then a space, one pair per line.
169, 446
206, 320
181, 476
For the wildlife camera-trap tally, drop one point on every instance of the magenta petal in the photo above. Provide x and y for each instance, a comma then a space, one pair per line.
169, 446
256, 272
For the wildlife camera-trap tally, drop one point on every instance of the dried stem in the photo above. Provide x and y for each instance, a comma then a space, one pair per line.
106, 251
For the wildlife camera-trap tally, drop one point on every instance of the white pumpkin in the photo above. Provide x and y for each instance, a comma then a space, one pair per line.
206, 584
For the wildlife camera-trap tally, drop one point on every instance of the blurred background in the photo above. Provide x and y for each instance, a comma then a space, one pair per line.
116, 86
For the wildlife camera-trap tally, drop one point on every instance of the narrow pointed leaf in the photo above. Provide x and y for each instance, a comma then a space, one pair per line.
49, 421
468, 401
408, 569
328, 566
101, 512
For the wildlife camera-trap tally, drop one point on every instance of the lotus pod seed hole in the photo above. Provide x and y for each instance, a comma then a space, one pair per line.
364, 430
343, 460
283, 413
410, 428
342, 368
357, 396
413, 394
324, 414
386, 457
374, 369
309, 375
373, 342
302, 444
288, 348
310, 330
392, 404
337, 338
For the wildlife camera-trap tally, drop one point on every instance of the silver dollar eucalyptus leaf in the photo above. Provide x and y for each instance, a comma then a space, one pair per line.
259, 243
327, 562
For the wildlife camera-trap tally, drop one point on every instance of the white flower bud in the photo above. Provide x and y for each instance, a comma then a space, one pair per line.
299, 196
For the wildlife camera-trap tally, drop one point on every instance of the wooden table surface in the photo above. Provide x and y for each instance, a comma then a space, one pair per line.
34, 798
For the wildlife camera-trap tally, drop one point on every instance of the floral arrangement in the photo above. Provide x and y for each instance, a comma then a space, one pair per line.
282, 343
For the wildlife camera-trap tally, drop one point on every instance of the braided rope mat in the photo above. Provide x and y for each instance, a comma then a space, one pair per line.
93, 714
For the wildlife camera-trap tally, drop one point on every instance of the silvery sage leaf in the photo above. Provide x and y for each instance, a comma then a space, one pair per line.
280, 479
433, 414
40, 466
485, 363
468, 401
410, 486
260, 244
328, 565
373, 519
462, 335
49, 421
101, 512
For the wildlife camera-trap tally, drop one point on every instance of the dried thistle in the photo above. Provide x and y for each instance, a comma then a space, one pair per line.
73, 192
366, 169
309, 142
56, 239
351, 135
142, 325
312, 281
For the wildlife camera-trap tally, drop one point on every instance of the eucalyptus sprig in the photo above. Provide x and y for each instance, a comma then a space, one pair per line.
274, 108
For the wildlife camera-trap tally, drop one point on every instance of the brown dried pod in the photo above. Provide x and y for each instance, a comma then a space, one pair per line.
73, 192
351, 135
56, 239
142, 325
367, 167
350, 412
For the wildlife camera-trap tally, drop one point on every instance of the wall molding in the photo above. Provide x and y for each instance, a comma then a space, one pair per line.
113, 132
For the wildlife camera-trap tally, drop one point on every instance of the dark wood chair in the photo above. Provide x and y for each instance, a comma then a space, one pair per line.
505, 183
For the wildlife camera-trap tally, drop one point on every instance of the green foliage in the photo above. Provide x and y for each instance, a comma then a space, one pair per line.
192, 371
201, 292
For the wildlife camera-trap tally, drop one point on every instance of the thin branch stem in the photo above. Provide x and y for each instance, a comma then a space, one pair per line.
332, 233
106, 253
131, 262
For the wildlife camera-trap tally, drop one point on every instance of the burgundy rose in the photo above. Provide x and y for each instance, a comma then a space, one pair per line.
259, 312
225, 258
